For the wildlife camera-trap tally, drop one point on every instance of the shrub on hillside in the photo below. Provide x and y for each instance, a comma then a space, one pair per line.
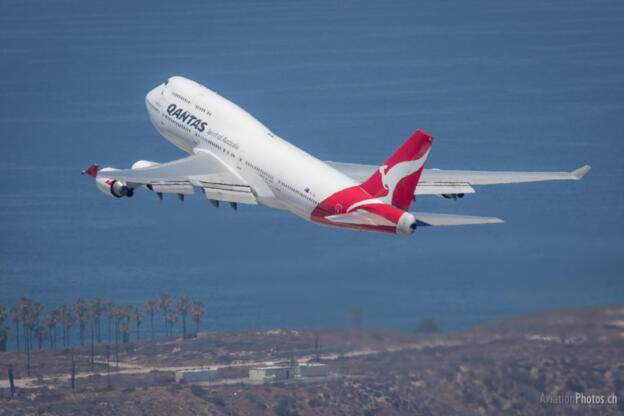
198, 391
427, 326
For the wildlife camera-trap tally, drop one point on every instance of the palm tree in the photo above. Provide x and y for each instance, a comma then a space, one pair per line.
22, 309
127, 312
116, 314
110, 311
14, 314
171, 317
151, 308
183, 304
4, 312
164, 301
121, 313
50, 319
197, 311
5, 333
41, 334
138, 316
125, 332
81, 310
98, 308
67, 319
29, 311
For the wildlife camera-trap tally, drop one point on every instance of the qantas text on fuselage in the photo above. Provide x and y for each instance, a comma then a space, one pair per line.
234, 158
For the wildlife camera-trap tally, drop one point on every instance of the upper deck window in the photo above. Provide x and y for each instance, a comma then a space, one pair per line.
186, 100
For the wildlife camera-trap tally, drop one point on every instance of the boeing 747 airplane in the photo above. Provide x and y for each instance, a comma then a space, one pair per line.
236, 159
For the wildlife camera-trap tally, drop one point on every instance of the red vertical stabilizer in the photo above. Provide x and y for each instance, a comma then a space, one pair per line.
396, 179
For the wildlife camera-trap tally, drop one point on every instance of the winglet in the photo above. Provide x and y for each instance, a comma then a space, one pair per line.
91, 171
580, 172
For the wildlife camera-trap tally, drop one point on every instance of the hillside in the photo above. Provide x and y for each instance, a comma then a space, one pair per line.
531, 364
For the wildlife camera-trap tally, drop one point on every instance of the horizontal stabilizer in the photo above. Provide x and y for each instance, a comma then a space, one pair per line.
360, 217
428, 218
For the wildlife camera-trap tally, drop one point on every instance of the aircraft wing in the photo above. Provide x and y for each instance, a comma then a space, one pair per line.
217, 181
454, 182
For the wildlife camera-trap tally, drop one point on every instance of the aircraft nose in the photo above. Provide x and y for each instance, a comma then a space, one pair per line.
153, 95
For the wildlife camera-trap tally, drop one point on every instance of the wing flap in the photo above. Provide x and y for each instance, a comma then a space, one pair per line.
228, 192
430, 188
173, 188
434, 219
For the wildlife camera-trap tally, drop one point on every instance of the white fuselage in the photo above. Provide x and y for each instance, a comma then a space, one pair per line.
283, 176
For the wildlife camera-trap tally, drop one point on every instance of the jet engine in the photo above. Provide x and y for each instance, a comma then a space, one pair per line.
111, 186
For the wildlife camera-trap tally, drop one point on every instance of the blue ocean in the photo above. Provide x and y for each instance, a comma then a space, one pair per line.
527, 85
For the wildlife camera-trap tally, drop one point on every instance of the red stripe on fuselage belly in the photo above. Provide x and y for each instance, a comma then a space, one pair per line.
360, 227
339, 202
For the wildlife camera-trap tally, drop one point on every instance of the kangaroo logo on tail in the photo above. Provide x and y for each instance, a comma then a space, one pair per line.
395, 181
391, 178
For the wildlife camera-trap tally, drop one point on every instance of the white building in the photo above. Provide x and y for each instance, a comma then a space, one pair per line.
194, 376
313, 370
270, 373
